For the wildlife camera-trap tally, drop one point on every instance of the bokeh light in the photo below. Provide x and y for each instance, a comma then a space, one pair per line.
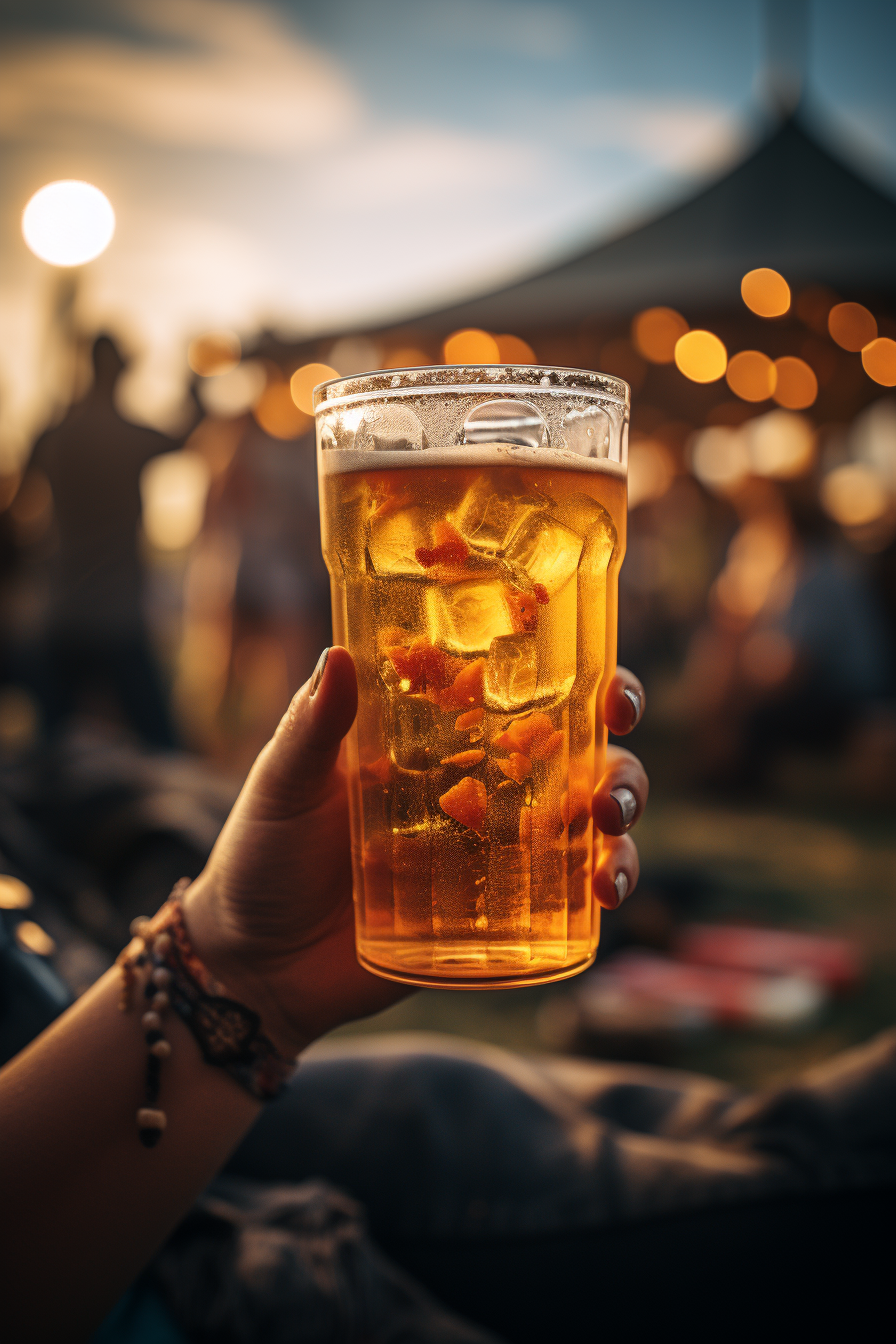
214, 353
756, 556
305, 380
796, 386
765, 292
277, 413
851, 326
655, 332
720, 457
751, 375
471, 346
854, 495
879, 361
701, 356
32, 938
781, 444
173, 489
235, 392
352, 355
68, 223
14, 895
407, 357
514, 350
651, 471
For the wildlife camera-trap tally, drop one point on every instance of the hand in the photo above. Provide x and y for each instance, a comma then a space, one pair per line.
271, 914
620, 797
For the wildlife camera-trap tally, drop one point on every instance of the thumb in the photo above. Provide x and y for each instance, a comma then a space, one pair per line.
294, 772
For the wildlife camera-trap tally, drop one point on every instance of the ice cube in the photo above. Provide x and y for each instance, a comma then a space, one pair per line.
393, 539
588, 432
488, 517
506, 421
414, 732
511, 673
547, 551
467, 617
389, 429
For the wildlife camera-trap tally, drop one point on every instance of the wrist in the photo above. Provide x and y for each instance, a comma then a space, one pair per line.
227, 958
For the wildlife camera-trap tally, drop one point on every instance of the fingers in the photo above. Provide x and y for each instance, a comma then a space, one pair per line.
294, 771
616, 871
624, 702
621, 795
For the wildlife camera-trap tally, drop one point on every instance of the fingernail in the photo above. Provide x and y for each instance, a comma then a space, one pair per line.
621, 885
317, 674
627, 803
635, 701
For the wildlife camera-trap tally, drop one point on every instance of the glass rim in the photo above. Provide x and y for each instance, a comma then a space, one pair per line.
429, 378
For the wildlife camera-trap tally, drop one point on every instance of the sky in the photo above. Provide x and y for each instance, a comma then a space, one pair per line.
314, 167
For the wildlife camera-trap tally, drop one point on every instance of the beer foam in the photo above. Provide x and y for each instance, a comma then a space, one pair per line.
342, 461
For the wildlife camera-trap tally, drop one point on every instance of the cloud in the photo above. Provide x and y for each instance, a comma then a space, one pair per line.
229, 75
542, 32
677, 134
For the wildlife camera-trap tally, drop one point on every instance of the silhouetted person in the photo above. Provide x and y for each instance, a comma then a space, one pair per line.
96, 641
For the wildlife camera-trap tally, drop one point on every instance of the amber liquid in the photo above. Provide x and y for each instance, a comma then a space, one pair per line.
479, 603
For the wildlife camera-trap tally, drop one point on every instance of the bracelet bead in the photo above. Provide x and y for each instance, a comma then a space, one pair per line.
159, 1002
150, 1021
161, 977
161, 1049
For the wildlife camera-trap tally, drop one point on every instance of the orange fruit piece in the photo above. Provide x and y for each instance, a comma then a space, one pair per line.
392, 636
523, 610
471, 719
467, 689
544, 748
423, 665
466, 803
525, 734
449, 549
516, 766
472, 757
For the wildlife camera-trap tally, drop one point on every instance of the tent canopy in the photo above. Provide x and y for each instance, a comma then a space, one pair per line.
791, 205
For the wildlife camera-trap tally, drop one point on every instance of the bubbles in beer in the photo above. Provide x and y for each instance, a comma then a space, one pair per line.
588, 432
390, 429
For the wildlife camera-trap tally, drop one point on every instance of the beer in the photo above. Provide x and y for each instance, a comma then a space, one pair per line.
475, 588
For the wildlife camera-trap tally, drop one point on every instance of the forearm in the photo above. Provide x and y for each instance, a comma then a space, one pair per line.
84, 1204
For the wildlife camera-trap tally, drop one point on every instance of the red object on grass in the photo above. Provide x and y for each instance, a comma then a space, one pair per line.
833, 961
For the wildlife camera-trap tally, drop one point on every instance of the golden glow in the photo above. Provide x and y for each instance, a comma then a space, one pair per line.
767, 657
655, 332
781, 444
514, 350
19, 720
173, 488
720, 458
352, 355
851, 326
765, 292
879, 361
407, 357
233, 393
14, 895
214, 353
854, 494
701, 356
305, 380
279, 415
471, 346
651, 470
797, 386
33, 938
756, 556
751, 375
68, 223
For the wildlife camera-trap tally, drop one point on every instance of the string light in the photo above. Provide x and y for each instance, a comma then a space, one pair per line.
796, 386
471, 346
751, 375
305, 380
851, 326
765, 292
514, 350
214, 353
701, 356
655, 332
879, 361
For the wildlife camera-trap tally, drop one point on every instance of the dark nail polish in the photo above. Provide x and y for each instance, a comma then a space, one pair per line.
621, 885
317, 674
634, 700
627, 803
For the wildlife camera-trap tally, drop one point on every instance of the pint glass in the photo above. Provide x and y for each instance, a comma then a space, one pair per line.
473, 527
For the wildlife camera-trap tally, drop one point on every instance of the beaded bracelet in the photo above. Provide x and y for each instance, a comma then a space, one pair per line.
160, 961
